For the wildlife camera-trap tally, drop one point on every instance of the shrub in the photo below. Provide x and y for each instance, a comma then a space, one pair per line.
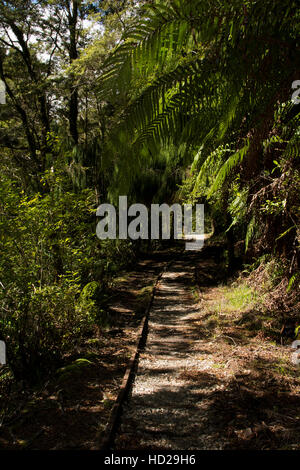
40, 326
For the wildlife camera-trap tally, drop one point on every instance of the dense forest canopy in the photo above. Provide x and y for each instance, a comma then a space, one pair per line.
162, 101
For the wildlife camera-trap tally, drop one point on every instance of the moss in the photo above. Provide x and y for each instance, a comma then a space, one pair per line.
76, 368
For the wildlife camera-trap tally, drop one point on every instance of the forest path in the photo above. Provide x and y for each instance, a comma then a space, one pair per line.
165, 410
210, 376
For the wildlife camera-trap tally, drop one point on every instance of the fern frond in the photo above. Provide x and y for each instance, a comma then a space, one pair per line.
292, 150
292, 281
249, 233
231, 163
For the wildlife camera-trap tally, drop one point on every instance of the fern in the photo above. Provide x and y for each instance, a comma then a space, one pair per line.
292, 281
179, 70
292, 150
228, 166
249, 233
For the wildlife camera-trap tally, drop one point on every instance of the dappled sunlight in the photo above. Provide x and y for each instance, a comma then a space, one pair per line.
204, 381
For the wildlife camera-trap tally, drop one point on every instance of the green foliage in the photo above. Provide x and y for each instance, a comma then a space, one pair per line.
250, 232
91, 301
172, 94
188, 85
39, 327
49, 252
226, 168
291, 284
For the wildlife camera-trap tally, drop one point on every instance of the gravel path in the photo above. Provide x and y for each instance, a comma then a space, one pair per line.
166, 409
210, 377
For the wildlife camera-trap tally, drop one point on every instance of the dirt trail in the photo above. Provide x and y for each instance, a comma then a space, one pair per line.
165, 410
204, 384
